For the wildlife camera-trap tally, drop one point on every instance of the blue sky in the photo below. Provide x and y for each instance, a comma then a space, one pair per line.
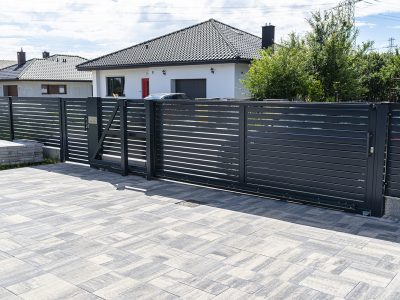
380, 28
91, 28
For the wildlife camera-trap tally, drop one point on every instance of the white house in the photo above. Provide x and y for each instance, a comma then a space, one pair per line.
50, 76
207, 60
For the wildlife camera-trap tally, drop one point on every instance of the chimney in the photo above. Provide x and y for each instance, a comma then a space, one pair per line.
21, 56
268, 36
45, 54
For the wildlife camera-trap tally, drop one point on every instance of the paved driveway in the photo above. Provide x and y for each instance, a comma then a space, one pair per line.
70, 232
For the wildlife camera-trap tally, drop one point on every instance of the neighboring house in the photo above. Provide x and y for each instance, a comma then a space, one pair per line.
50, 76
6, 63
207, 60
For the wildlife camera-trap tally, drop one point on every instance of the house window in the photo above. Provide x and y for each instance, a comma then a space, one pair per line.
51, 89
115, 86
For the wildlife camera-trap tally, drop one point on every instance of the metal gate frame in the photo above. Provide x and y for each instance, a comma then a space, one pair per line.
378, 122
378, 117
97, 136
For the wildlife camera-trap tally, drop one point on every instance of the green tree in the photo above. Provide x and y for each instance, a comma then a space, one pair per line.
380, 73
391, 74
283, 74
332, 56
373, 75
325, 62
313, 68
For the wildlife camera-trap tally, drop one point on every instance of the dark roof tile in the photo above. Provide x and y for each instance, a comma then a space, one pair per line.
207, 41
56, 67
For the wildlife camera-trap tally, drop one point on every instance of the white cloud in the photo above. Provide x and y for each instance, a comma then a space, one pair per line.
95, 27
365, 24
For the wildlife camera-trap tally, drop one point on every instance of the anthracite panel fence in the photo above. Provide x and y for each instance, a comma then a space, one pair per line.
344, 155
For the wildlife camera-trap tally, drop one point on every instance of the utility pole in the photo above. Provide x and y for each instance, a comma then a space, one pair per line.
391, 46
349, 6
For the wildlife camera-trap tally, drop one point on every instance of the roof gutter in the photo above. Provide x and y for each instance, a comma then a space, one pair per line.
46, 80
181, 63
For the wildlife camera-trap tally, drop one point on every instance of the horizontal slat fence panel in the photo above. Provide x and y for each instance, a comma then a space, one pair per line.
393, 154
37, 119
317, 153
76, 125
136, 127
4, 119
197, 141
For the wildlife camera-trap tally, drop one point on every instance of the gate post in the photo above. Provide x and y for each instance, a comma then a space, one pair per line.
124, 136
63, 130
94, 113
242, 142
11, 118
379, 145
150, 139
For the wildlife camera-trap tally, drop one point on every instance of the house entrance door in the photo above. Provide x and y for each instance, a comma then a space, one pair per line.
10, 90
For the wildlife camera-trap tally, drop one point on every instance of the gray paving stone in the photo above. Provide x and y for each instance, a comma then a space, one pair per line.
172, 286
66, 232
330, 284
366, 291
370, 275
7, 295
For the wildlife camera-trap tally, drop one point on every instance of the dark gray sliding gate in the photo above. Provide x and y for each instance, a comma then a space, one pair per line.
318, 153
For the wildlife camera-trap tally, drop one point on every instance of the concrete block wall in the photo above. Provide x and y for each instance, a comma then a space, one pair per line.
392, 207
20, 152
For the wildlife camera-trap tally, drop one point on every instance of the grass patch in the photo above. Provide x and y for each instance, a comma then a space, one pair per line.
46, 161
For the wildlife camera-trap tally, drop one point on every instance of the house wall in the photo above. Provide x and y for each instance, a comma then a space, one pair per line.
240, 72
34, 89
220, 84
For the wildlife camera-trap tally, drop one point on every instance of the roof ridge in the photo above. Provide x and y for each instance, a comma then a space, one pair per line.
145, 42
235, 28
68, 55
230, 45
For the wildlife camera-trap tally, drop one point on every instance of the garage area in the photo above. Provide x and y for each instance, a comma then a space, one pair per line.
194, 88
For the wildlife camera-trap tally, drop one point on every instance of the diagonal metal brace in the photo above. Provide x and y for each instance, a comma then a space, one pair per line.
106, 130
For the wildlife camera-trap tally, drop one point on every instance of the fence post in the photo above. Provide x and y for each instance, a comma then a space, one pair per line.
63, 130
11, 118
150, 139
379, 144
242, 142
124, 136
94, 113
